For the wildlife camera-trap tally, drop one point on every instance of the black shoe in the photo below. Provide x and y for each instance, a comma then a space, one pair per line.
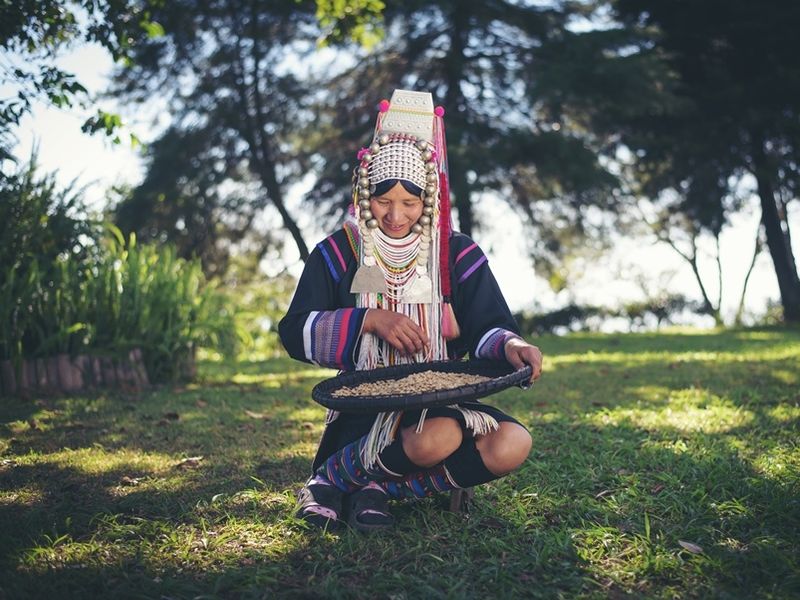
368, 510
320, 505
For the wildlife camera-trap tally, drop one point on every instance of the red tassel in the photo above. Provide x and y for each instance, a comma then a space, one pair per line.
450, 328
444, 236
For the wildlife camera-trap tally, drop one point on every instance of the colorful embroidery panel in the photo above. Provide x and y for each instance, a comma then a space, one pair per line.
492, 344
330, 337
334, 257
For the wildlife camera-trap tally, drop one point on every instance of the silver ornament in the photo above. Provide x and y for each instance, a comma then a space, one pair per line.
383, 140
362, 171
427, 155
372, 223
430, 167
416, 228
375, 148
363, 193
364, 204
422, 144
431, 178
363, 182
366, 215
424, 220
430, 189
429, 200
427, 210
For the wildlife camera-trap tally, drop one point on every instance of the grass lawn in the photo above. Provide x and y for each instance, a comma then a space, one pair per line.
664, 466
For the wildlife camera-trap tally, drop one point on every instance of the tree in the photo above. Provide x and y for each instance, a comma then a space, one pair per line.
228, 71
473, 57
737, 82
32, 34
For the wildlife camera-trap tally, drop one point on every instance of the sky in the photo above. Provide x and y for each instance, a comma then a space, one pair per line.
96, 164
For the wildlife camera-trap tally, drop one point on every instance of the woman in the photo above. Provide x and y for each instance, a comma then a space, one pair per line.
395, 285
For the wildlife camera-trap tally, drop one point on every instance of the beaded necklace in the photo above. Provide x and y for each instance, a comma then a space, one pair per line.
397, 259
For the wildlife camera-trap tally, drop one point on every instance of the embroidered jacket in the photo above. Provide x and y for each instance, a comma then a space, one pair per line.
323, 326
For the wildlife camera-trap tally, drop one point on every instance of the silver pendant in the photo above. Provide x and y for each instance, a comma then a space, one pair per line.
419, 292
368, 280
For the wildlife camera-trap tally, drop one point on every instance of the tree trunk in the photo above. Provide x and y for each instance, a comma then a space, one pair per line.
740, 311
253, 131
454, 105
777, 239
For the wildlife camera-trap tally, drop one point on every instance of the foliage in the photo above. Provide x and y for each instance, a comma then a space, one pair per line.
40, 227
664, 466
356, 20
260, 300
68, 287
473, 57
33, 32
659, 309
228, 70
719, 115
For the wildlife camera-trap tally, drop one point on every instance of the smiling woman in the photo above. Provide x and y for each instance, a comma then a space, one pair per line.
397, 206
397, 287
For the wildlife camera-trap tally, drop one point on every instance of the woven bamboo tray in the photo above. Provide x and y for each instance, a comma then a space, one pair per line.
501, 373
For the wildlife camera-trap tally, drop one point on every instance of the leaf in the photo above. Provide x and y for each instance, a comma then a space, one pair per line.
256, 415
693, 548
191, 462
153, 29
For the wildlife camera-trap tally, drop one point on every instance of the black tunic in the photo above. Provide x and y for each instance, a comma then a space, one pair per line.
324, 288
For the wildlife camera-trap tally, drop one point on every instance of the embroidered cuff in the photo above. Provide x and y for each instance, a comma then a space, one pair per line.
493, 344
330, 337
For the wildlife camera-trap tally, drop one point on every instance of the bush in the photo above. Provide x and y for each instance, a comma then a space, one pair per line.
70, 285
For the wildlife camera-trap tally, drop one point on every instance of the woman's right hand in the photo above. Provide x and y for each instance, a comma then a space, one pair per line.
398, 330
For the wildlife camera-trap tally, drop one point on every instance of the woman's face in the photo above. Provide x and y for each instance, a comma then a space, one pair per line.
396, 211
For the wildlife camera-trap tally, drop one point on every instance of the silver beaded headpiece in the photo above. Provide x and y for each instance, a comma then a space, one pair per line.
403, 148
398, 157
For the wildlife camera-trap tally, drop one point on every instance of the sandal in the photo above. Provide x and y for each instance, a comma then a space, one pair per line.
368, 510
320, 505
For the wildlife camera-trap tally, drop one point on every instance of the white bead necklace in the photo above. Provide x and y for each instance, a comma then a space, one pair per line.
396, 253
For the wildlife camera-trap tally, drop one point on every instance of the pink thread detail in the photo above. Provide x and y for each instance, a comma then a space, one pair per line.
383, 106
361, 153
439, 111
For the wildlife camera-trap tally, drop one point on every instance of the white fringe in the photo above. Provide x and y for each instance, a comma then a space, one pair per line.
331, 416
421, 422
480, 423
379, 436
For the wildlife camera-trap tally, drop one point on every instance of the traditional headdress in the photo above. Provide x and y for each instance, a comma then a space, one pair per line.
408, 145
411, 275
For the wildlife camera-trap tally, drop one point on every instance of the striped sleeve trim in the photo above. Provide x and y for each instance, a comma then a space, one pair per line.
493, 343
333, 258
330, 337
468, 261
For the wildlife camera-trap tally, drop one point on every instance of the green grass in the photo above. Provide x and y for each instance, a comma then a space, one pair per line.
643, 446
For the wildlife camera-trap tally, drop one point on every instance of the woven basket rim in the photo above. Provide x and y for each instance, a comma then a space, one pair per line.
502, 373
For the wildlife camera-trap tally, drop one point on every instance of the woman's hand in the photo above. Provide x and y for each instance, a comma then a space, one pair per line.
519, 353
398, 330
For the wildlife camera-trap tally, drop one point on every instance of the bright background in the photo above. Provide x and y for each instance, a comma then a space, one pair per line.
97, 164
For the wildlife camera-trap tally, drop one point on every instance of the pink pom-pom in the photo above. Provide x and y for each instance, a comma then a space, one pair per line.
439, 111
361, 153
383, 106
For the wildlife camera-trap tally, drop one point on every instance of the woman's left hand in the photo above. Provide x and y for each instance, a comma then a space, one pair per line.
520, 353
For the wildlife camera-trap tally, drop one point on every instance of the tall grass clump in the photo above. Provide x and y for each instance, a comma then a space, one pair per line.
70, 285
